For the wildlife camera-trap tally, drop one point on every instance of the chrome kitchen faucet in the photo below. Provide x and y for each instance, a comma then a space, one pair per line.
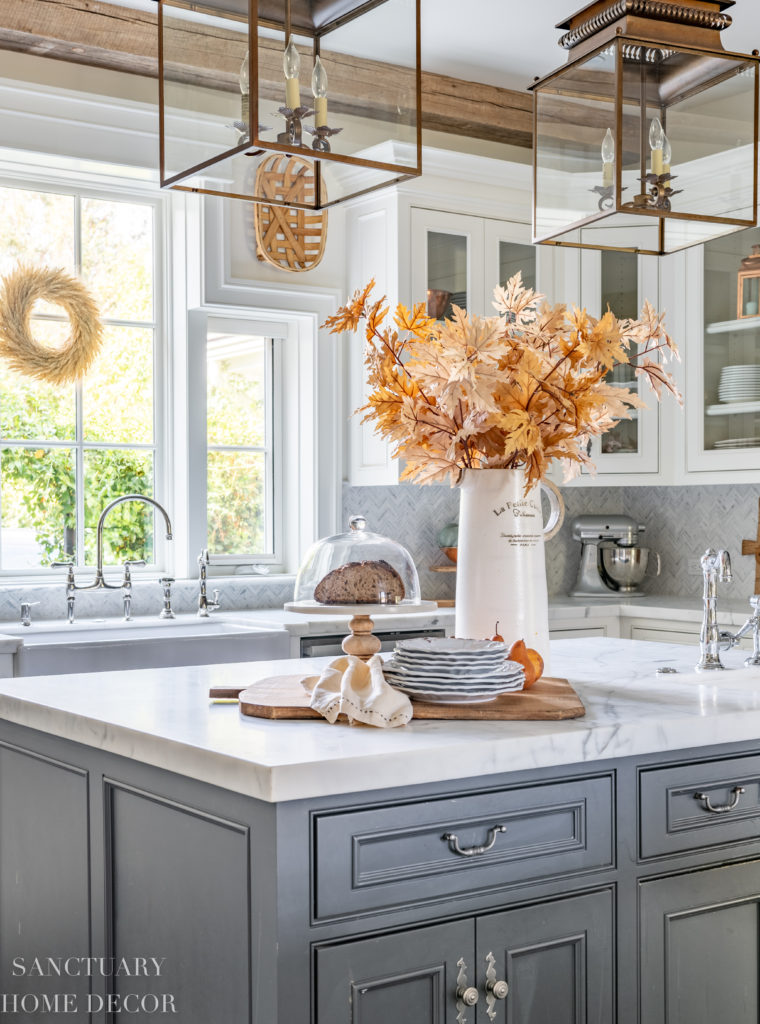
729, 640
99, 582
716, 568
204, 605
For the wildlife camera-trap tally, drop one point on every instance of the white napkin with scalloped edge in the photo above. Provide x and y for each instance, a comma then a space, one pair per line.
358, 689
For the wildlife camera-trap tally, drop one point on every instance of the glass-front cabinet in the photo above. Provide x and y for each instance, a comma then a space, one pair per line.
458, 260
723, 369
447, 261
509, 250
621, 282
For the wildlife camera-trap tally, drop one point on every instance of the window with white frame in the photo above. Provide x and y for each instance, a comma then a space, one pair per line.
239, 442
236, 442
65, 452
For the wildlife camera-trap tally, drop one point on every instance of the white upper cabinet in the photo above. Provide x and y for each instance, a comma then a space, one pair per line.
622, 281
459, 260
722, 360
436, 256
436, 243
448, 261
372, 252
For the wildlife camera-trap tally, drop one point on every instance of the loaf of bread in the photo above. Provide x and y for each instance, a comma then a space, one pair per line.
361, 583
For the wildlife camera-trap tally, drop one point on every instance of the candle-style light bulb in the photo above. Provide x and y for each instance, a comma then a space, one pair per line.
608, 147
608, 158
245, 86
319, 88
291, 64
667, 154
656, 140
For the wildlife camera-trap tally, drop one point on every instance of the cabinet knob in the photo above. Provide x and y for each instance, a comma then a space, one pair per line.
499, 989
469, 996
466, 994
495, 989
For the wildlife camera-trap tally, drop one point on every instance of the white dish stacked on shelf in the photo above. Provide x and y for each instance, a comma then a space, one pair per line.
446, 670
739, 384
738, 442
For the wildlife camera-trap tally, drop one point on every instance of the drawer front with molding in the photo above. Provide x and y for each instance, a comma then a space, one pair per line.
409, 854
689, 806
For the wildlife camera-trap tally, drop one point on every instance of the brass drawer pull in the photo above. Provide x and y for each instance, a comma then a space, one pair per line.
720, 808
472, 851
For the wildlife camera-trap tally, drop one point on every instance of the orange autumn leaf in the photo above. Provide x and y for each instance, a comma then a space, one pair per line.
347, 318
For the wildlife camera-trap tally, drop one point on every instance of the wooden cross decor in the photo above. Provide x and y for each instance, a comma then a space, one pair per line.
752, 547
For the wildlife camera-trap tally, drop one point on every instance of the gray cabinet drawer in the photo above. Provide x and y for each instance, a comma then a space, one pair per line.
673, 812
383, 857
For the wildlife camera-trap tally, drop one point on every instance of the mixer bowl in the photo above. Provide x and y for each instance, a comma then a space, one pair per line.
627, 567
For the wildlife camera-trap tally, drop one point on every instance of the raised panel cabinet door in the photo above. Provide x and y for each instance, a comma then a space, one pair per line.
179, 892
406, 978
557, 959
44, 883
700, 947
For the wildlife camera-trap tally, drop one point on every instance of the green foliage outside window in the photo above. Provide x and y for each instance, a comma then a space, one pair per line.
103, 429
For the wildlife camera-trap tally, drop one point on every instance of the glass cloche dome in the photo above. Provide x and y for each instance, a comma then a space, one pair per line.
358, 567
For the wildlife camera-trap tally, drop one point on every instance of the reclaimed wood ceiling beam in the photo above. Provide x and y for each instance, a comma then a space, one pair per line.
105, 35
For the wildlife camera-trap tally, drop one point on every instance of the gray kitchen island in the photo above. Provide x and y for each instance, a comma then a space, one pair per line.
163, 858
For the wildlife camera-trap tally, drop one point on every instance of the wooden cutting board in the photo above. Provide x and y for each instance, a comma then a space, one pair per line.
283, 697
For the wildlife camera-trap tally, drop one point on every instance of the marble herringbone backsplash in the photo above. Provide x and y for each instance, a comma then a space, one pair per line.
681, 523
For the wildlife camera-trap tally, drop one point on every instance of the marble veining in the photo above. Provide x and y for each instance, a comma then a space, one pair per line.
163, 717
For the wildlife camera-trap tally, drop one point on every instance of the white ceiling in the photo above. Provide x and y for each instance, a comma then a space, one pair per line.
508, 42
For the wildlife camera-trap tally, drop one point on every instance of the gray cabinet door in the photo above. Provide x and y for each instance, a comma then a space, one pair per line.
397, 979
179, 891
557, 958
44, 886
700, 947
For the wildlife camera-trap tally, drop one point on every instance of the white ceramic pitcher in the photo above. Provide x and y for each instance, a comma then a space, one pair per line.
501, 568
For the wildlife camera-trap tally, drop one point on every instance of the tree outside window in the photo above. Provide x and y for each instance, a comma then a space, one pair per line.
65, 452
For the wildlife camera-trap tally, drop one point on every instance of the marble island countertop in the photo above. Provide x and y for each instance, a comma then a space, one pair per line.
163, 717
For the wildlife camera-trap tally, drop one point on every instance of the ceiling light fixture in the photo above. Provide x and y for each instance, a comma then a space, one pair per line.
647, 139
236, 79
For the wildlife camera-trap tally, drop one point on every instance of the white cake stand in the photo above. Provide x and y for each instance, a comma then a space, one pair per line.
360, 642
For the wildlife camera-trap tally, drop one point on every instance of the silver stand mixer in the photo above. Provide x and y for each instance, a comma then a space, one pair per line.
612, 563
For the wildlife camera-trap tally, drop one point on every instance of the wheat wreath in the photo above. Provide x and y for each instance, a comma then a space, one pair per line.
62, 364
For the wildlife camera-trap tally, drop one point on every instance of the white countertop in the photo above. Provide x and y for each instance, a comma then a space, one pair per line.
563, 610
163, 717
649, 606
9, 644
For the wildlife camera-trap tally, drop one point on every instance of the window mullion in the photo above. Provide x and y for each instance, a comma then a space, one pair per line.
79, 463
79, 450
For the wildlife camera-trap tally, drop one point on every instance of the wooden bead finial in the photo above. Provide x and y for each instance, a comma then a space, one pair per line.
361, 643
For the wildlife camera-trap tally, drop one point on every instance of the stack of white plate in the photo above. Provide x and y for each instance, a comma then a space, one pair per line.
738, 442
739, 384
444, 670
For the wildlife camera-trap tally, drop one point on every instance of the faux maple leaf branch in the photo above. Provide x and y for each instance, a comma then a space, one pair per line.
514, 390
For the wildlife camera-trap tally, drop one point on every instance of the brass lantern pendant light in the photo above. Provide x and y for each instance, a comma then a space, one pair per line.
335, 84
647, 139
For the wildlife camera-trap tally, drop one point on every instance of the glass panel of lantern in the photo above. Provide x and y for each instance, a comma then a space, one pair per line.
341, 90
643, 148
